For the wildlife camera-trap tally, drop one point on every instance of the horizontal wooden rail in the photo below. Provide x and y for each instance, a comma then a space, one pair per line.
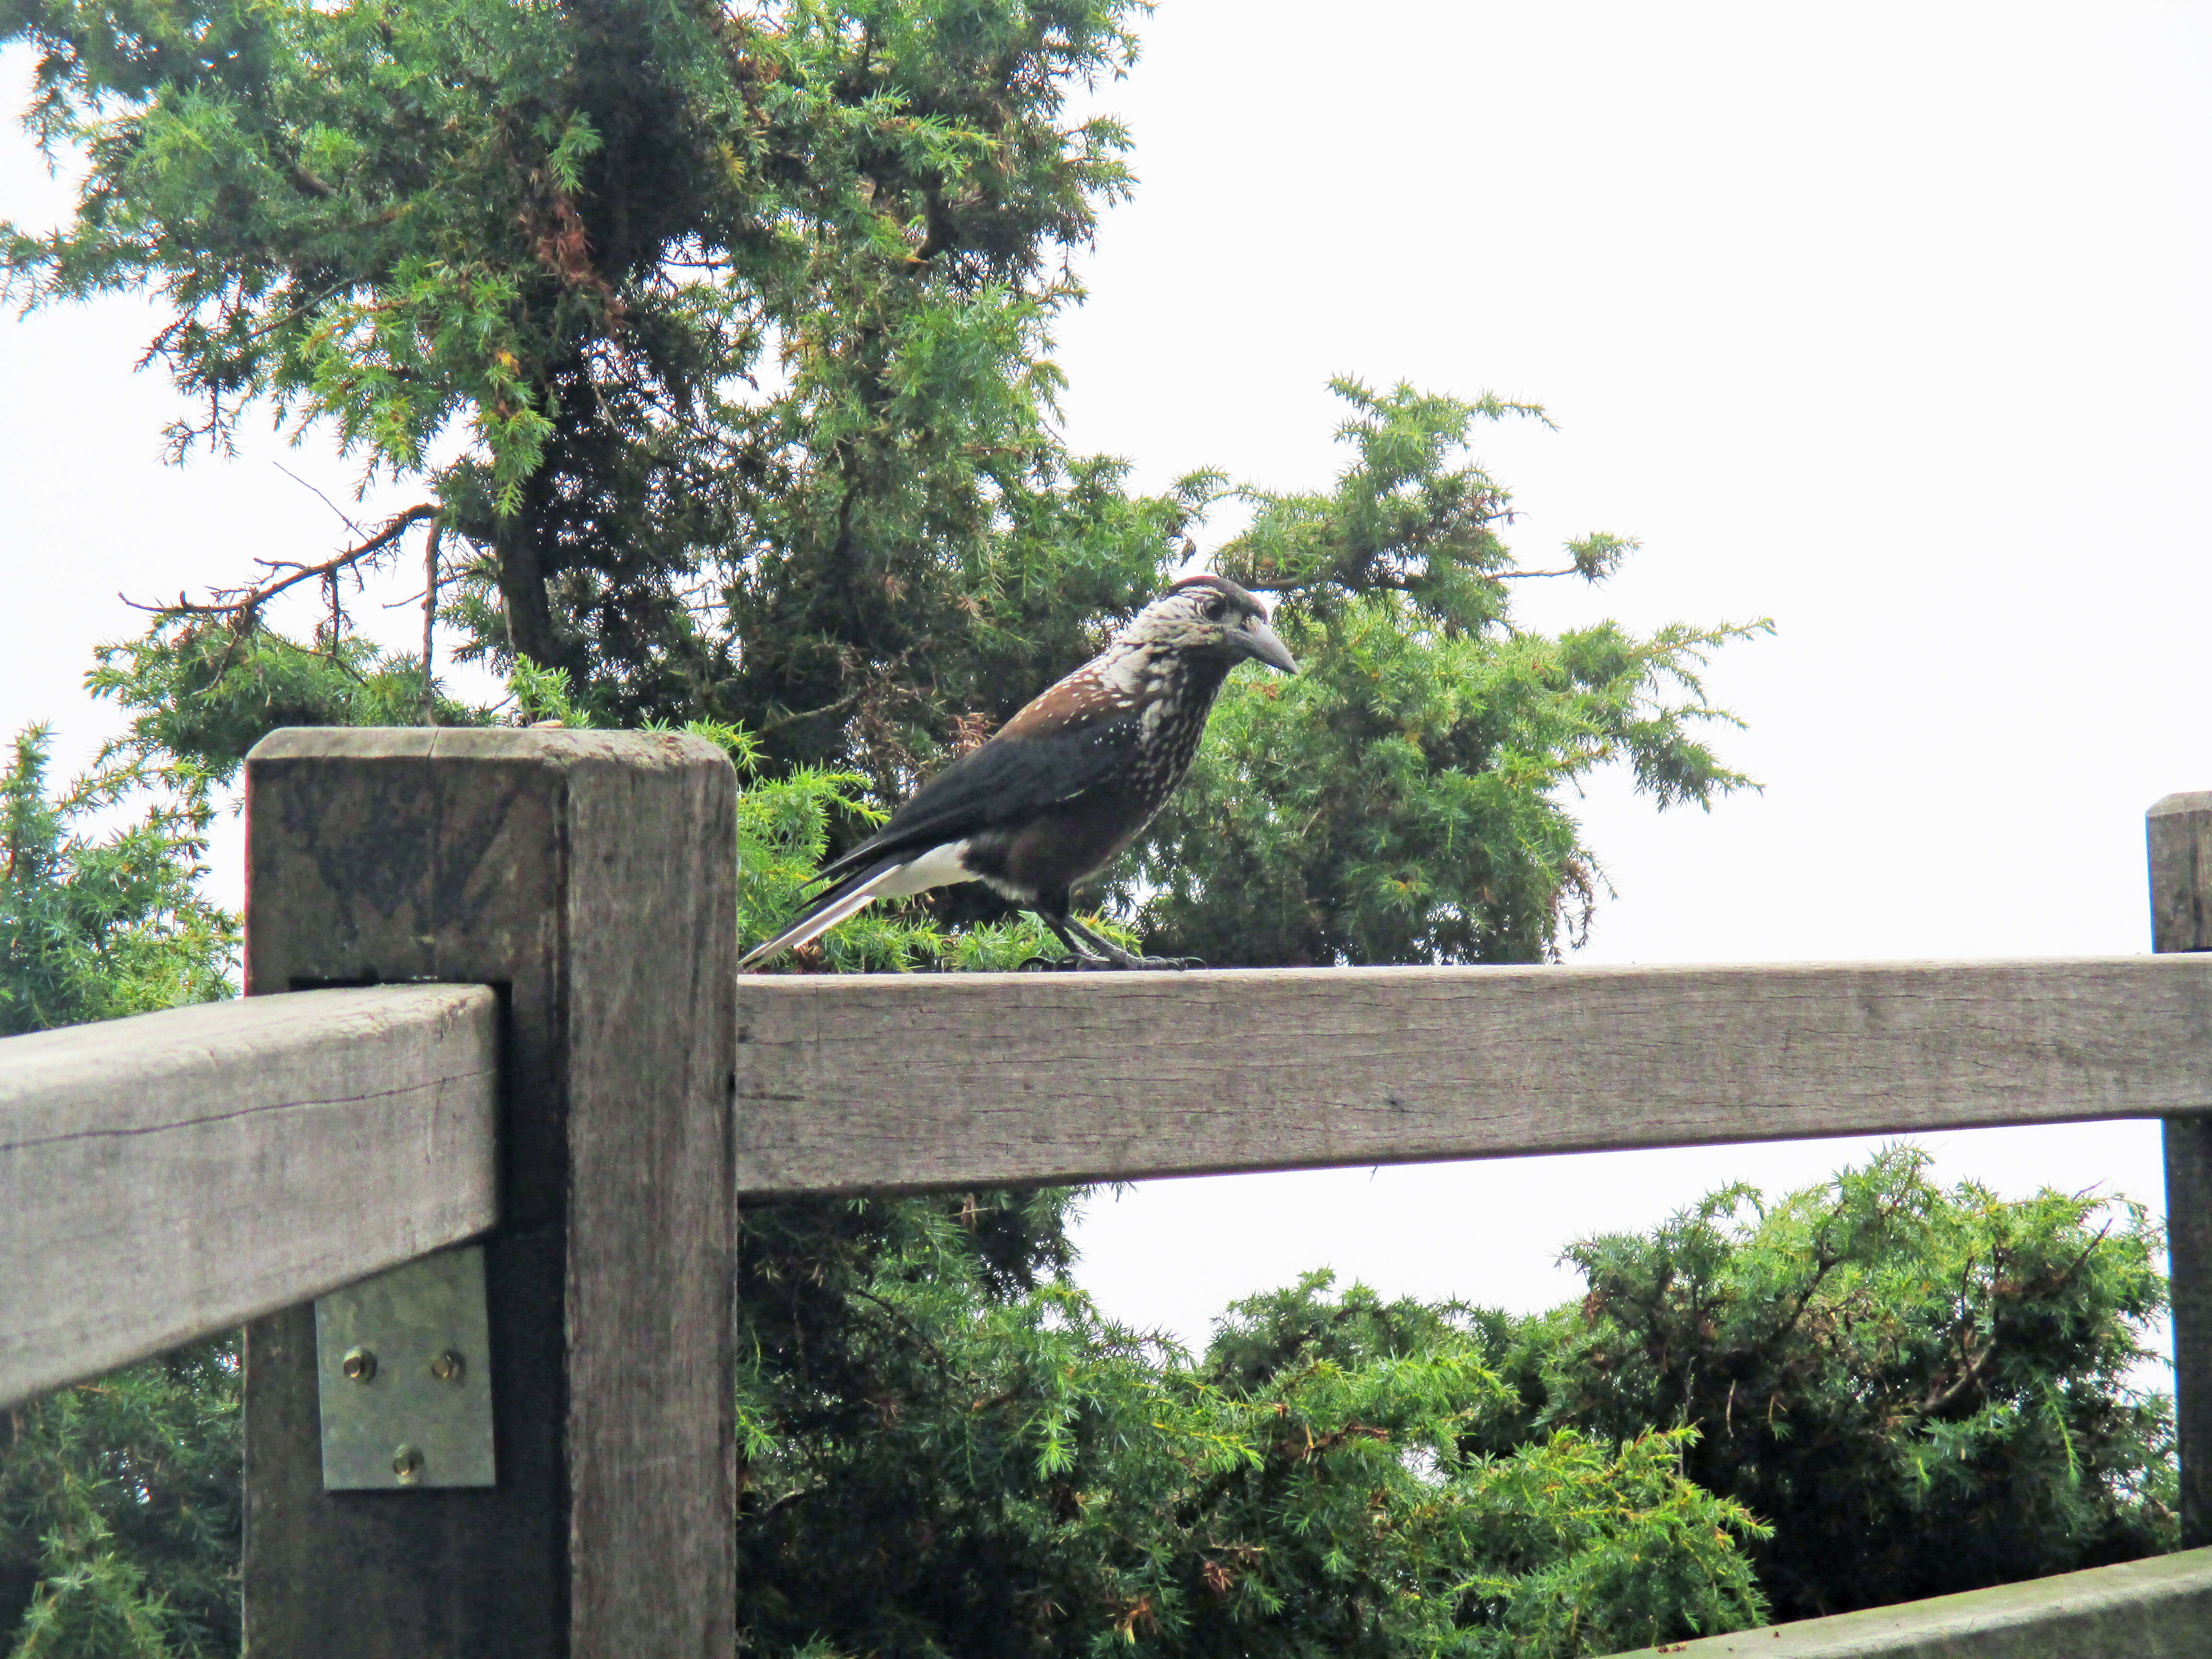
888, 1082
172, 1175
2161, 1608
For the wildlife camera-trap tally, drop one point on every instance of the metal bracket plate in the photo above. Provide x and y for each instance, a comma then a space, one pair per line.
403, 1364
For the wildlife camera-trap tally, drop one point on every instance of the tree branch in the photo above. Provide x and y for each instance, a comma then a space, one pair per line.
239, 603
430, 619
1940, 1396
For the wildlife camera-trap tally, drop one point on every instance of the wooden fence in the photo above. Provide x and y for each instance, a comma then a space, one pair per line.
491, 996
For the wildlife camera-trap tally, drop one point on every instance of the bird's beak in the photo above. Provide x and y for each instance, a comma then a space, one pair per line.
1261, 642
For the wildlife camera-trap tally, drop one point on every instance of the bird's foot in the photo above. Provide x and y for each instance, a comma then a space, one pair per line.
1130, 960
1121, 961
1102, 952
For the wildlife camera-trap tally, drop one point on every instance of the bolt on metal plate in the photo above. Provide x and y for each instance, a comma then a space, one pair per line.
404, 1375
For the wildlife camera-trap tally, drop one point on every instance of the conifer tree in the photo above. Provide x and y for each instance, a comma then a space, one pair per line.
717, 346
742, 323
96, 926
1924, 1390
119, 1501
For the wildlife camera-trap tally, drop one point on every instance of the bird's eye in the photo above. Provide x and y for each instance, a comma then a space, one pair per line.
1216, 609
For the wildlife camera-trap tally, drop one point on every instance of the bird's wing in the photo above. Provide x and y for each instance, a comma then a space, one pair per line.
1013, 775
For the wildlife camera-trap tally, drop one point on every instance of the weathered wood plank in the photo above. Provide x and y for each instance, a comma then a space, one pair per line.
926, 1081
2180, 832
2155, 1609
593, 876
176, 1174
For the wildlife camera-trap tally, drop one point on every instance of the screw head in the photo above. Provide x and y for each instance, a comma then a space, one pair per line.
359, 1365
448, 1366
407, 1463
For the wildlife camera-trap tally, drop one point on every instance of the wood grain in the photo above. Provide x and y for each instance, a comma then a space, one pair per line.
2159, 1609
592, 877
931, 1081
174, 1174
2179, 833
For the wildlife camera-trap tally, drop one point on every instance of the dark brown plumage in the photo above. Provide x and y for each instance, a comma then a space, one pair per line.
1069, 781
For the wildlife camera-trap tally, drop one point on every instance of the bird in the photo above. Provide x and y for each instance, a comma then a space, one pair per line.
1068, 783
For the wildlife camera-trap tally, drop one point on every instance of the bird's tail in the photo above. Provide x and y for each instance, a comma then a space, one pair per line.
847, 898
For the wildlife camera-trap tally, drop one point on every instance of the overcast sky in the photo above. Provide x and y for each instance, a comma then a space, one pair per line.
1885, 321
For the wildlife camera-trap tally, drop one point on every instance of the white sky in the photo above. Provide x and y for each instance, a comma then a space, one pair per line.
1886, 321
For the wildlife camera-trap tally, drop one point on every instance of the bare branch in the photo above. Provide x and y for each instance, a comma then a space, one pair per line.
350, 521
1942, 1395
792, 719
239, 603
430, 619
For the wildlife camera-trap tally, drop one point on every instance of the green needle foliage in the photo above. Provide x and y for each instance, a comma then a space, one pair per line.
736, 330
120, 1514
94, 926
1924, 1390
978, 1463
119, 1498
717, 345
1401, 800
737, 319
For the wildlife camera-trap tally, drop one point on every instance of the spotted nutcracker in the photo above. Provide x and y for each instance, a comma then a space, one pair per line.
1068, 783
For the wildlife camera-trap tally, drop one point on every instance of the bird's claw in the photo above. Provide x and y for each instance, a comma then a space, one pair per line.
1061, 964
1083, 963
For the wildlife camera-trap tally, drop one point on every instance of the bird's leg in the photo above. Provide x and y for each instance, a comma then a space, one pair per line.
1115, 955
1077, 957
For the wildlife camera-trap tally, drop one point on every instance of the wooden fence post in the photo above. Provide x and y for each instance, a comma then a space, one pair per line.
2180, 832
590, 876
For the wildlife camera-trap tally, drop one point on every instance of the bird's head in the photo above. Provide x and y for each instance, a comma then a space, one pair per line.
1210, 614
